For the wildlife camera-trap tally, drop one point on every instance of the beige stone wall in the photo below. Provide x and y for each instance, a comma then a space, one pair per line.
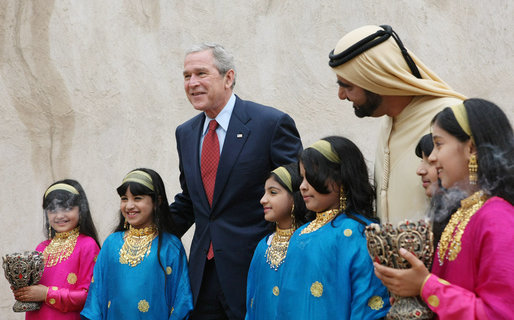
92, 89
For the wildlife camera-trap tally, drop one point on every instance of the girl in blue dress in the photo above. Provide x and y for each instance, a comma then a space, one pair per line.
141, 271
283, 205
328, 273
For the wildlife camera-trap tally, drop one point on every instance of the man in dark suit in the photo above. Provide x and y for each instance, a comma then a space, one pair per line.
225, 155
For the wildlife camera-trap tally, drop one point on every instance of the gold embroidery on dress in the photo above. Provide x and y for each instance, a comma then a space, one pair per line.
72, 278
137, 245
168, 270
143, 305
322, 218
277, 250
317, 289
172, 309
451, 238
433, 300
276, 291
376, 303
61, 247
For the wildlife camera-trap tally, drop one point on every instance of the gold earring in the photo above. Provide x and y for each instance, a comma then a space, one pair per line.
49, 231
293, 220
473, 169
125, 225
342, 200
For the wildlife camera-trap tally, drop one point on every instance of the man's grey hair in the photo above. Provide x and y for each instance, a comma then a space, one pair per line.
223, 60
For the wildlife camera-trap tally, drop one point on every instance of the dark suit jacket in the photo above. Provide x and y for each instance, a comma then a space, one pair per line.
258, 140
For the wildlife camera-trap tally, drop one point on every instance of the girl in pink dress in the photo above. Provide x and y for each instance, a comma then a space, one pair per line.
472, 268
70, 254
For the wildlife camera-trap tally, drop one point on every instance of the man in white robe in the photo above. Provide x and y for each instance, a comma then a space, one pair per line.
382, 79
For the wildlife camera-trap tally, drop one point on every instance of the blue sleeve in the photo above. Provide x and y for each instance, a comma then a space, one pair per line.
370, 299
253, 277
95, 307
179, 289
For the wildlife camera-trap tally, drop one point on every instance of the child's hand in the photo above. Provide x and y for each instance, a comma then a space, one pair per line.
31, 293
403, 282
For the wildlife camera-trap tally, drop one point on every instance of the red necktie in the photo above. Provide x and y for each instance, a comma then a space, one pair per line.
209, 166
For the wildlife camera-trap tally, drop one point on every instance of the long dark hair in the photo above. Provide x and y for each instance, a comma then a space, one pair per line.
351, 174
300, 212
66, 200
494, 141
161, 217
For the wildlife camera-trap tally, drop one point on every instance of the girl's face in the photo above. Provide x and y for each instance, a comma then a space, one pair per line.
451, 158
63, 220
315, 201
137, 210
428, 173
277, 203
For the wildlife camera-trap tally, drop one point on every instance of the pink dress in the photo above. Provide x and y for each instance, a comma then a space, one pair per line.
67, 282
479, 283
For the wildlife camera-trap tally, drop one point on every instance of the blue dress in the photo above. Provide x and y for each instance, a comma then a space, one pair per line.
262, 285
145, 291
328, 274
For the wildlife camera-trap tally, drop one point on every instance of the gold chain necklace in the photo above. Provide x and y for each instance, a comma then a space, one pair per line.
137, 245
61, 247
322, 218
451, 238
276, 252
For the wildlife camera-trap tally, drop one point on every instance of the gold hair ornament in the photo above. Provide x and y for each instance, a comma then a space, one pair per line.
140, 177
61, 186
459, 111
325, 148
284, 176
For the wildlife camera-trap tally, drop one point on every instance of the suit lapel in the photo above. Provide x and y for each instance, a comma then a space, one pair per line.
192, 156
236, 137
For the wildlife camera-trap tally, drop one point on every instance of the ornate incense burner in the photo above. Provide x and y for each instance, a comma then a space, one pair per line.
21, 270
384, 242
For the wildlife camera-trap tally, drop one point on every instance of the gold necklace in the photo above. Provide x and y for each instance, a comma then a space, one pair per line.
277, 250
137, 245
451, 238
322, 218
61, 247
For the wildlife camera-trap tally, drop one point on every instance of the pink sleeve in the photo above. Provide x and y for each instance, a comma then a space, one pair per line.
491, 298
450, 301
65, 299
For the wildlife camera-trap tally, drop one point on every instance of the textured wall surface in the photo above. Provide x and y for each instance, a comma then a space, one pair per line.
92, 89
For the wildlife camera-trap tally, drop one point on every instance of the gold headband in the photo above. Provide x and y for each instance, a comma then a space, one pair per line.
140, 177
325, 148
285, 176
459, 111
61, 186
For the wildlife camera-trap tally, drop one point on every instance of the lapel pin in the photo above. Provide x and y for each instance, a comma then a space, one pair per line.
239, 135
